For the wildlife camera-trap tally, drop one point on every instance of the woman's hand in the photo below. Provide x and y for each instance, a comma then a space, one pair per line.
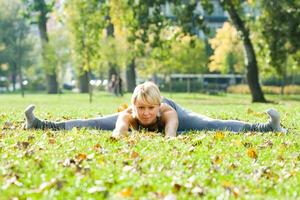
122, 125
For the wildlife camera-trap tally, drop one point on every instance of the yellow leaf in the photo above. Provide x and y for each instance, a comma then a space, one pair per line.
127, 192
227, 184
122, 107
219, 135
252, 153
81, 156
217, 160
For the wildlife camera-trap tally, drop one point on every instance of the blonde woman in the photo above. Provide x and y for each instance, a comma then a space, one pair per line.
152, 112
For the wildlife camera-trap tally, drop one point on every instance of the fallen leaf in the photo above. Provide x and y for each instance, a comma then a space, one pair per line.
126, 192
252, 153
80, 157
52, 140
247, 144
134, 155
97, 147
176, 187
216, 160
266, 144
96, 189
219, 135
227, 185
22, 145
122, 107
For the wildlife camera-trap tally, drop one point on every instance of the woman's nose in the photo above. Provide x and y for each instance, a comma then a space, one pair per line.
146, 112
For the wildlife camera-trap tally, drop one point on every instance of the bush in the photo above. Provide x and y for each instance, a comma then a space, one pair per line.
244, 89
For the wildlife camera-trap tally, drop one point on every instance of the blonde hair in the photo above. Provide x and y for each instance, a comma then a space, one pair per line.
146, 92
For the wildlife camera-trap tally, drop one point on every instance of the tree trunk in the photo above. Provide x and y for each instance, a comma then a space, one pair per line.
84, 82
42, 25
250, 59
52, 84
14, 76
131, 76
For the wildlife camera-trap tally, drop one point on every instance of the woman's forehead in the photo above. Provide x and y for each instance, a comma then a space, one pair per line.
141, 102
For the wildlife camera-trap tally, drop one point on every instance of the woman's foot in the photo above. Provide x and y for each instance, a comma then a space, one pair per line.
275, 120
29, 116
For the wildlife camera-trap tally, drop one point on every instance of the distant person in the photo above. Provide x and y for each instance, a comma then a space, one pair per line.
112, 84
152, 112
119, 86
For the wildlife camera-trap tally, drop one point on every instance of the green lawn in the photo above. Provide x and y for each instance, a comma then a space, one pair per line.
88, 164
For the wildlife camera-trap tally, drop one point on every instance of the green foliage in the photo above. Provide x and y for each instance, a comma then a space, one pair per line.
279, 25
178, 53
88, 164
14, 39
85, 21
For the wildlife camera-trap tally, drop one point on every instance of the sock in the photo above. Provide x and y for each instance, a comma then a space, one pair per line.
30, 118
275, 120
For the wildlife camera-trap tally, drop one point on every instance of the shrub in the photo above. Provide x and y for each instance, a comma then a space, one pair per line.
244, 89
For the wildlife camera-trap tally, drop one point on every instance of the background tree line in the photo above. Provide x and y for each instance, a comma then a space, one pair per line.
99, 38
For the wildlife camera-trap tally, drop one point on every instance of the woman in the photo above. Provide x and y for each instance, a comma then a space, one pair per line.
152, 112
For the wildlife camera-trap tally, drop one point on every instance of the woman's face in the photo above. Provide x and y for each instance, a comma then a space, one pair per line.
146, 113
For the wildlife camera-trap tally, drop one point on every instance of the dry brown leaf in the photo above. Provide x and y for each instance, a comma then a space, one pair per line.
176, 187
52, 140
252, 153
216, 160
134, 155
232, 166
97, 147
81, 156
266, 144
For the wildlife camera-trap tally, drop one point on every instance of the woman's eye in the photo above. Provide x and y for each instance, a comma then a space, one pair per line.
151, 107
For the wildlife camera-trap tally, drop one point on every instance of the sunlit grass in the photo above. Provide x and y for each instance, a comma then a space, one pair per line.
88, 164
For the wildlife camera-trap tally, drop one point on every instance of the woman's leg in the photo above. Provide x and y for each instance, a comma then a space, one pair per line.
193, 121
102, 123
198, 122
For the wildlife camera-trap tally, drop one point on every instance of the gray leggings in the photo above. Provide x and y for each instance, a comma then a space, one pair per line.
187, 121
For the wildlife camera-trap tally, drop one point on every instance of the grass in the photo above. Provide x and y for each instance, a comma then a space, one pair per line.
88, 164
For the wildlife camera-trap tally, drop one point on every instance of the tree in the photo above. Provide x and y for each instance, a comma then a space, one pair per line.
178, 52
228, 51
38, 11
86, 21
279, 25
250, 57
16, 45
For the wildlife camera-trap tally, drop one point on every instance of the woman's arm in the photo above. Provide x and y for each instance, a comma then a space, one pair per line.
122, 125
171, 123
